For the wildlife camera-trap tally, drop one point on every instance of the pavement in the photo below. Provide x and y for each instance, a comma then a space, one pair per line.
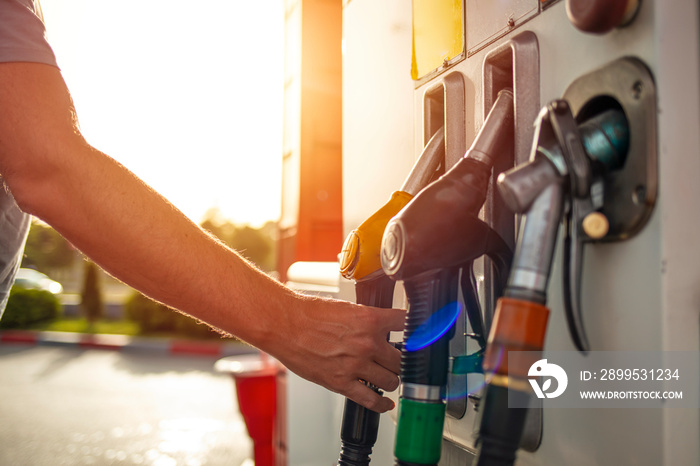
75, 398
128, 343
70, 405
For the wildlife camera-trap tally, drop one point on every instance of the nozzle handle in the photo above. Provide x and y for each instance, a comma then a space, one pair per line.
376, 292
358, 431
572, 273
360, 256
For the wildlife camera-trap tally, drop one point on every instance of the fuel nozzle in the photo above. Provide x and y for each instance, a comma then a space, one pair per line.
578, 156
359, 261
426, 245
559, 183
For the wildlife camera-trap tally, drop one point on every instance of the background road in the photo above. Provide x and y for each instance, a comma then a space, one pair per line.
72, 406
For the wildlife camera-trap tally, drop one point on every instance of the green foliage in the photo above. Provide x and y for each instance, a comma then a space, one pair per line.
154, 317
81, 325
47, 249
256, 244
91, 302
26, 307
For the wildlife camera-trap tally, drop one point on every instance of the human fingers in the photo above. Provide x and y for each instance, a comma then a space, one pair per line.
386, 354
381, 377
363, 395
389, 320
389, 357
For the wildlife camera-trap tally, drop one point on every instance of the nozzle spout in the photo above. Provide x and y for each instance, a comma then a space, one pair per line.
496, 135
424, 169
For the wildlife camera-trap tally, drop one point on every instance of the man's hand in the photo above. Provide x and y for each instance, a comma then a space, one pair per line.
338, 344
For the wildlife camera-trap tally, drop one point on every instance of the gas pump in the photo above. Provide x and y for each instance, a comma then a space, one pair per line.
620, 83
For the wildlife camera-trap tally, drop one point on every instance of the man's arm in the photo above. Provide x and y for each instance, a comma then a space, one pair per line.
141, 239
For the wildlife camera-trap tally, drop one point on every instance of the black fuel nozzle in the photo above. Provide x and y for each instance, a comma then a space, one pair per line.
360, 261
426, 245
566, 160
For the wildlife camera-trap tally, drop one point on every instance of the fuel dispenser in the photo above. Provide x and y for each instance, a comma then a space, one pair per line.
493, 265
578, 172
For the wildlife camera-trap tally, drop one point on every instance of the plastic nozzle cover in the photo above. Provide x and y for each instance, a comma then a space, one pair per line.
360, 255
440, 227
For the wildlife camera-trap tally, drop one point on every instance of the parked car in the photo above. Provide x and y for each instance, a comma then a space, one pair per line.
35, 280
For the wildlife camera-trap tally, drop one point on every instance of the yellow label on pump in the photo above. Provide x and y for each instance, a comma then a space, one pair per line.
438, 34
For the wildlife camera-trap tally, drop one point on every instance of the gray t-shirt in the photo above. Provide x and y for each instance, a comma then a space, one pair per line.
22, 39
23, 34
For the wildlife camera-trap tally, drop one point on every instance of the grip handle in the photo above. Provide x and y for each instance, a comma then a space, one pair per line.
358, 431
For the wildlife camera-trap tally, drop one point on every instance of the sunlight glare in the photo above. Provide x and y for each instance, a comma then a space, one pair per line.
188, 96
437, 325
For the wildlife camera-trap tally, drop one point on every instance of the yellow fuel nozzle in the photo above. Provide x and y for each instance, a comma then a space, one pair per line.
360, 259
360, 256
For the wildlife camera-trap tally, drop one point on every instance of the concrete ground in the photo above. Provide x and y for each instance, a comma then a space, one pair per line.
76, 406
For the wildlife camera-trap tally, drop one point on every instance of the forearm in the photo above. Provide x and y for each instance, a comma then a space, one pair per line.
115, 218
140, 238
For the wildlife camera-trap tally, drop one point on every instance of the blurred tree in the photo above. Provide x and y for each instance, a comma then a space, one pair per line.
155, 318
26, 307
256, 244
91, 301
252, 244
46, 249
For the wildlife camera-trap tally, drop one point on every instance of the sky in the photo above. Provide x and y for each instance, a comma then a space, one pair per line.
187, 95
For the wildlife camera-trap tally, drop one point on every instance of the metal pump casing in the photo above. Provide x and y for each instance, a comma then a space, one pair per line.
637, 294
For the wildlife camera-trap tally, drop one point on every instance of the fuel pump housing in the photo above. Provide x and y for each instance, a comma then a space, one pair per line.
412, 67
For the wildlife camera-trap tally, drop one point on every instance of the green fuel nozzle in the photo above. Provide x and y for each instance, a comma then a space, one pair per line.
425, 245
